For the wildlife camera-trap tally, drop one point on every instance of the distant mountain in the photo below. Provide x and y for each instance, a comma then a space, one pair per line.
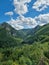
13, 37
41, 34
19, 33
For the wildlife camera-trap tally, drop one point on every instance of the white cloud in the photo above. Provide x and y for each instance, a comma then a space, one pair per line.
9, 13
21, 22
21, 6
42, 19
40, 5
14, 24
27, 22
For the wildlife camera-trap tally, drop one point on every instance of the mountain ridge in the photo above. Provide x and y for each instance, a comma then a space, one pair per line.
17, 46
39, 33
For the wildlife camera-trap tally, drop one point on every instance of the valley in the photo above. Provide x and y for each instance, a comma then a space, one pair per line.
25, 46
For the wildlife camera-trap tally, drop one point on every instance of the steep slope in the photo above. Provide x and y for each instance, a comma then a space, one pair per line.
12, 37
43, 30
10, 30
24, 33
38, 34
8, 36
19, 33
41, 34
12, 50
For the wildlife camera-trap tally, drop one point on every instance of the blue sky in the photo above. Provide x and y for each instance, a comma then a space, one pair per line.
30, 9
7, 5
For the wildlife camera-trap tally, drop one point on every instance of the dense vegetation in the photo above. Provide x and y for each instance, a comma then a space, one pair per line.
24, 47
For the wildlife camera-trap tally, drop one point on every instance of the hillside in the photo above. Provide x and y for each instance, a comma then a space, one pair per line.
40, 35
24, 47
8, 36
8, 33
37, 34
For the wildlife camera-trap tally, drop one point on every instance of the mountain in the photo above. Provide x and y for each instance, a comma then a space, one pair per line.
40, 35
16, 33
27, 32
43, 33
19, 33
24, 36
8, 36
24, 47
12, 37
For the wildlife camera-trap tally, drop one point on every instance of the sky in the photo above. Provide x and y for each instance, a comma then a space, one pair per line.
22, 14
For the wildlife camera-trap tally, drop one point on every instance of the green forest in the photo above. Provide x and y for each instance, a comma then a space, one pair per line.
24, 47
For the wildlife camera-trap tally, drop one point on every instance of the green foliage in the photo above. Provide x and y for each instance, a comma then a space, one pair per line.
26, 55
46, 53
23, 47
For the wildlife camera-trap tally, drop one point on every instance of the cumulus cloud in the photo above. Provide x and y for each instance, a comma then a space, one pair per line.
21, 6
21, 22
9, 13
42, 19
14, 24
40, 5
27, 22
